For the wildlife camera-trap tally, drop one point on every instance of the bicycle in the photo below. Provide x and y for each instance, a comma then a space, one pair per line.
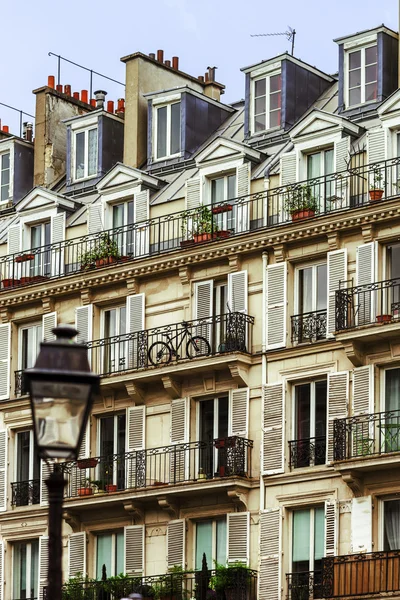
161, 353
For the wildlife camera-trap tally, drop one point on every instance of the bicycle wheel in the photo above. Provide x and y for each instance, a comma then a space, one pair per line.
159, 354
197, 346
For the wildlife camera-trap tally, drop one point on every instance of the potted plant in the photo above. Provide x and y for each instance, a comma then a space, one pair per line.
203, 225
76, 587
300, 202
10, 282
87, 463
377, 186
384, 318
170, 585
86, 490
111, 487
221, 208
231, 580
104, 252
24, 257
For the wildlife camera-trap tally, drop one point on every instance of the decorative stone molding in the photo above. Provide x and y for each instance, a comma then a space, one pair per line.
355, 483
171, 508
333, 241
72, 520
344, 506
239, 373
108, 399
135, 510
235, 263
48, 304
354, 353
172, 387
133, 285
5, 315
367, 232
86, 296
280, 252
184, 275
209, 383
135, 391
239, 497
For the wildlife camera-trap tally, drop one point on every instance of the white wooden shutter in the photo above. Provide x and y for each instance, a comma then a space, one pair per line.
238, 534
243, 180
134, 540
176, 543
43, 564
77, 554
14, 242
84, 450
376, 145
141, 234
243, 191
269, 585
135, 443
288, 169
276, 305
337, 272
49, 321
3, 470
57, 237
361, 524
342, 154
272, 425
193, 187
180, 421
338, 394
366, 266
45, 471
239, 412
84, 323
237, 291
203, 308
5, 352
95, 218
135, 318
363, 390
331, 526
141, 206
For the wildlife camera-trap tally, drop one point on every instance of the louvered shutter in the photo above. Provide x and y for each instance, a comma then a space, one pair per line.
179, 458
237, 291
176, 543
45, 471
14, 242
135, 443
49, 321
84, 327
137, 344
134, 540
5, 352
77, 477
2, 571
203, 309
363, 390
239, 412
331, 524
77, 554
269, 585
337, 272
193, 187
238, 534
376, 145
361, 524
95, 218
43, 564
142, 206
288, 169
272, 424
142, 233
3, 470
276, 305
338, 394
57, 237
242, 204
342, 154
366, 259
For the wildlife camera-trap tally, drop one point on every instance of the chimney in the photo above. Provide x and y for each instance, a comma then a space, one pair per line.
51, 82
167, 63
175, 63
152, 55
29, 132
160, 56
110, 106
24, 124
100, 96
212, 89
211, 73
120, 107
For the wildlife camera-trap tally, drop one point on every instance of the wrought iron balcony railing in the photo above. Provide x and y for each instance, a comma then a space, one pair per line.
307, 452
309, 327
304, 586
366, 304
167, 465
237, 583
161, 346
24, 493
20, 385
276, 206
366, 435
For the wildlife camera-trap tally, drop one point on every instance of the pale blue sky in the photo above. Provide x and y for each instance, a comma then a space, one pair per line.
203, 33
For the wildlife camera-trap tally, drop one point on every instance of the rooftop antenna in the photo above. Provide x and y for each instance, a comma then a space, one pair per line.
290, 34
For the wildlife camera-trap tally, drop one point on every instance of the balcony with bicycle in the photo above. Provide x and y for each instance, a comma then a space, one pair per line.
184, 231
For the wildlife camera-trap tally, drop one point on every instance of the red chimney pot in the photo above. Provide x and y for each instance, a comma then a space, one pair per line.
160, 55
6, 129
175, 62
110, 106
121, 105
51, 81
75, 95
67, 90
59, 87
93, 102
84, 96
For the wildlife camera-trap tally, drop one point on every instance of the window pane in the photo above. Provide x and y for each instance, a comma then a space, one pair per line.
36, 236
175, 128
275, 101
204, 544
119, 559
275, 83
314, 165
259, 105
23, 455
231, 187
92, 168
130, 212
104, 545
355, 59
321, 287
19, 571
301, 536
118, 215
319, 533
305, 289
355, 96
259, 123
217, 190
110, 322
107, 436
320, 408
355, 78
162, 132
371, 91
34, 568
260, 87
371, 55
80, 155
371, 73
121, 427
221, 543
392, 389
328, 166
5, 161
391, 525
302, 400
5, 176
275, 118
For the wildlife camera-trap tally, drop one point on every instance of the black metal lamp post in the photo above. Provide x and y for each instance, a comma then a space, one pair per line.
61, 388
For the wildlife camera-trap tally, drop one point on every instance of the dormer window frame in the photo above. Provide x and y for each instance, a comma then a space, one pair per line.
159, 104
79, 128
5, 182
275, 70
352, 49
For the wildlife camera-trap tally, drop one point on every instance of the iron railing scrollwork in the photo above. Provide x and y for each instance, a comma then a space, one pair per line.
307, 452
20, 384
24, 493
309, 327
304, 585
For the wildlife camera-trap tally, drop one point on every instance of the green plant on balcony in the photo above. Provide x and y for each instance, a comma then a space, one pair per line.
76, 588
171, 585
231, 580
377, 186
299, 201
199, 225
104, 252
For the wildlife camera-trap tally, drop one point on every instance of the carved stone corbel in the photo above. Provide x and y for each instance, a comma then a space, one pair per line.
280, 252
72, 520
239, 497
355, 484
239, 373
86, 296
172, 387
133, 285
135, 510
48, 304
171, 508
235, 263
367, 232
108, 399
184, 275
354, 353
135, 392
5, 316
333, 241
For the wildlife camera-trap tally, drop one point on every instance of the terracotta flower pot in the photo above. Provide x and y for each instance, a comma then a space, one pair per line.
223, 234
24, 257
111, 488
217, 210
302, 214
87, 463
108, 260
384, 318
9, 283
201, 237
186, 243
375, 195
25, 280
86, 491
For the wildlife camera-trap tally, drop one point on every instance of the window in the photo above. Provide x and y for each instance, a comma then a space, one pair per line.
309, 323
30, 345
4, 176
213, 426
27, 488
168, 130
363, 75
112, 443
115, 352
308, 534
40, 238
309, 446
122, 215
321, 165
25, 572
267, 102
391, 525
85, 153
223, 189
211, 541
110, 552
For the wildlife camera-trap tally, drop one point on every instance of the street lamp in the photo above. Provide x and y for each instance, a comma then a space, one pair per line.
61, 389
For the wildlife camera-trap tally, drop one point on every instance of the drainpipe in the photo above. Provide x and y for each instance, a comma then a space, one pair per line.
264, 374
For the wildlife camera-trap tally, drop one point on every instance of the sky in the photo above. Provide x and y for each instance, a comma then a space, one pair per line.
96, 34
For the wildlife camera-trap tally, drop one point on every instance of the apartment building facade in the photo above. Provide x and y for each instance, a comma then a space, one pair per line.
233, 271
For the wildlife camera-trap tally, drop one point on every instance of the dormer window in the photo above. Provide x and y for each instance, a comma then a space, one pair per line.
267, 102
85, 153
4, 176
168, 130
223, 188
363, 75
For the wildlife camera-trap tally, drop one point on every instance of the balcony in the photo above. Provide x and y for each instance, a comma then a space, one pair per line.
20, 385
304, 586
159, 467
307, 452
25, 493
237, 583
366, 436
184, 230
309, 327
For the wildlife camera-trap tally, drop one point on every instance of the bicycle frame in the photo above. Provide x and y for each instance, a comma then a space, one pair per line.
183, 336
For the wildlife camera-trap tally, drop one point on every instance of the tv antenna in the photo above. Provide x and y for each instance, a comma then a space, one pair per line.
290, 35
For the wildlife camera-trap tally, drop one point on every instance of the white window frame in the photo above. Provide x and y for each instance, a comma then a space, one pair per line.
347, 74
383, 386
223, 176
123, 345
299, 268
312, 383
267, 78
213, 520
156, 107
312, 529
15, 573
9, 179
20, 339
31, 453
74, 133
113, 535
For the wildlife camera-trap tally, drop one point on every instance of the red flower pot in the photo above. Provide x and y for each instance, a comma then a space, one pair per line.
9, 283
217, 210
201, 237
86, 491
24, 257
87, 463
102, 262
111, 488
375, 195
384, 318
302, 214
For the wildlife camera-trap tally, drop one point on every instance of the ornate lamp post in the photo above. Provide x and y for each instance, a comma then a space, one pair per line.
61, 388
